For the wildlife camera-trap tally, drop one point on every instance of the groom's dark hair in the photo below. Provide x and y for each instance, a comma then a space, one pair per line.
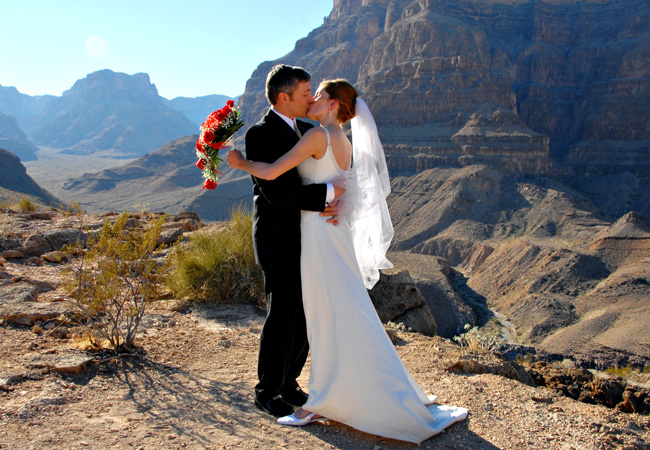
283, 78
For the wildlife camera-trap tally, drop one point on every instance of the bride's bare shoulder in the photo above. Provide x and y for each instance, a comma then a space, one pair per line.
316, 135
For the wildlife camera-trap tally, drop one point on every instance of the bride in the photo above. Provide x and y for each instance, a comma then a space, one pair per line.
357, 377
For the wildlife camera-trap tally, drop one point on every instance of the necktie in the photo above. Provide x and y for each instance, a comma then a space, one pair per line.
295, 127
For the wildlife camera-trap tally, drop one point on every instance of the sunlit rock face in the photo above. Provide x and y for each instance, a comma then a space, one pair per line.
482, 81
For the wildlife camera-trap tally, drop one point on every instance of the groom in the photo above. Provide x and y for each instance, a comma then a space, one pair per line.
276, 238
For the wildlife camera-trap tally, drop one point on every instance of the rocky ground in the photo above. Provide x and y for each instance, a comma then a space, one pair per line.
189, 383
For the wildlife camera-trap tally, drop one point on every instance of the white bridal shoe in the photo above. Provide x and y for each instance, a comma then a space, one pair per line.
293, 421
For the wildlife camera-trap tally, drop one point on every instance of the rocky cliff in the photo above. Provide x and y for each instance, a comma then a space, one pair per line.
14, 182
197, 108
25, 108
504, 82
536, 251
13, 139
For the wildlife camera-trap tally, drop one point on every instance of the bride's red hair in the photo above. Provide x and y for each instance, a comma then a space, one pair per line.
341, 90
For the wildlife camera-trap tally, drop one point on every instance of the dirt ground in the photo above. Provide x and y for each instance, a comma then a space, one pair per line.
190, 386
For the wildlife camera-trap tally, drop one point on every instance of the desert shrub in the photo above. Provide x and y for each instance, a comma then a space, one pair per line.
26, 205
73, 209
219, 266
524, 360
398, 326
638, 375
479, 339
113, 280
622, 372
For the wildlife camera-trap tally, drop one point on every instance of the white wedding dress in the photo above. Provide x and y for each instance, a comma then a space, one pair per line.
357, 377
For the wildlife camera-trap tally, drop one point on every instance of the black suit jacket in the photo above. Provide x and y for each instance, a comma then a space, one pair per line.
277, 203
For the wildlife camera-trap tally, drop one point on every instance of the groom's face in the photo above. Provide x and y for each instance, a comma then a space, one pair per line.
300, 99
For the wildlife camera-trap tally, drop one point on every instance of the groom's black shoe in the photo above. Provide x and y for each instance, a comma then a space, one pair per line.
275, 406
296, 396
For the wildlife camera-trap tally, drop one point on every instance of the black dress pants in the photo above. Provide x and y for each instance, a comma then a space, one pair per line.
283, 341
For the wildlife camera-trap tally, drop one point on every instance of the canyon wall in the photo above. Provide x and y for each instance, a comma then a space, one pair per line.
553, 87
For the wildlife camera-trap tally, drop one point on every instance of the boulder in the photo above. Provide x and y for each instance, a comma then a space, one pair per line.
12, 254
191, 215
68, 236
608, 391
397, 299
170, 235
56, 256
635, 400
71, 363
495, 365
8, 242
18, 304
35, 245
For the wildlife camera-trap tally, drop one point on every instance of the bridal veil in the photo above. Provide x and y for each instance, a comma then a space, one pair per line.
364, 205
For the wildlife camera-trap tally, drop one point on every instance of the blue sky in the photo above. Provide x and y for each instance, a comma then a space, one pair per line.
189, 48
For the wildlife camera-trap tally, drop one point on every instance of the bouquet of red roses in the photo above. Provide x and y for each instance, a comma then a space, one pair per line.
217, 132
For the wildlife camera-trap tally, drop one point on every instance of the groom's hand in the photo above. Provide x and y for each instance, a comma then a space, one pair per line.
332, 211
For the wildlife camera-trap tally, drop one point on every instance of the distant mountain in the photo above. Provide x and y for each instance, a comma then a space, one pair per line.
23, 107
198, 108
164, 180
14, 181
117, 114
13, 139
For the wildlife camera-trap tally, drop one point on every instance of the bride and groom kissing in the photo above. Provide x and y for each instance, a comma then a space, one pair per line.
321, 230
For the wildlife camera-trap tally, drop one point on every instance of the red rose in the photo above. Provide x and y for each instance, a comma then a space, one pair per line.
230, 103
199, 145
209, 184
208, 136
200, 164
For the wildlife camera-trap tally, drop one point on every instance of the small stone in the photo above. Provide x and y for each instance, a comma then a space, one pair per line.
10, 379
55, 256
34, 261
73, 364
12, 254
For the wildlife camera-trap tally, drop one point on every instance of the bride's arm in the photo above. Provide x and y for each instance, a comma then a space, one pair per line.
313, 143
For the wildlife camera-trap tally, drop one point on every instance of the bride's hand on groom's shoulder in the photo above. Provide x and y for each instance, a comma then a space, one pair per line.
235, 159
